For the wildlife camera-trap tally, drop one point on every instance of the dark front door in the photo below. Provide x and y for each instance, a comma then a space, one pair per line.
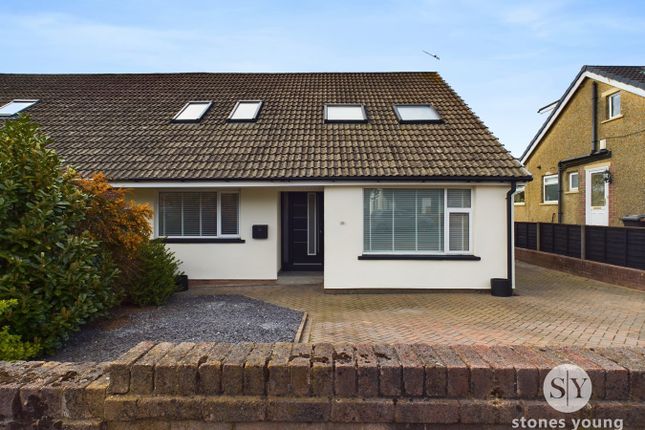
303, 231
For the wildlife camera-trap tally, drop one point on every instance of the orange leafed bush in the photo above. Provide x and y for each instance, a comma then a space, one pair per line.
119, 223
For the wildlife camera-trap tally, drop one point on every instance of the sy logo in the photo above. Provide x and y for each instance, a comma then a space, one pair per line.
567, 388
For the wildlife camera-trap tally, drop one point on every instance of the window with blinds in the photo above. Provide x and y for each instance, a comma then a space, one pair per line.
416, 220
198, 214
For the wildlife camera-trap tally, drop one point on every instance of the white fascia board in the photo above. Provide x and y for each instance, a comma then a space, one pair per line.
620, 85
293, 184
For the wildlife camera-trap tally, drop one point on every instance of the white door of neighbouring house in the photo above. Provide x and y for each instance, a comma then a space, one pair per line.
597, 197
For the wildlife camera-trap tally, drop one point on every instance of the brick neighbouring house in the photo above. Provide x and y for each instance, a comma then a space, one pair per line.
593, 139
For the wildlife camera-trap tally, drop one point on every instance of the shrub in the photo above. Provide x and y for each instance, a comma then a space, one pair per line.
11, 346
154, 282
59, 276
120, 224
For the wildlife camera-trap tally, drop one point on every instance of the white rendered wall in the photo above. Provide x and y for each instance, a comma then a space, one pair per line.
344, 243
254, 259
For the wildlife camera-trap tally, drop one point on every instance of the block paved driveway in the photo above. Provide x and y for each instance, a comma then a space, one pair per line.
551, 308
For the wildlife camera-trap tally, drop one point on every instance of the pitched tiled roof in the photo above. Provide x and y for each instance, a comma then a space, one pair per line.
121, 125
631, 75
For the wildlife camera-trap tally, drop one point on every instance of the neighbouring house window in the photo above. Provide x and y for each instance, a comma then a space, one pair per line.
417, 220
345, 113
613, 105
573, 181
519, 198
199, 214
550, 189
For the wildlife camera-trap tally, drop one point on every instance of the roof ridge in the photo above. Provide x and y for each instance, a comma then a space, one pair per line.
401, 72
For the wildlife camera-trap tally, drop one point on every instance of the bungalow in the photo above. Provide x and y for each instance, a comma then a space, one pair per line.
381, 180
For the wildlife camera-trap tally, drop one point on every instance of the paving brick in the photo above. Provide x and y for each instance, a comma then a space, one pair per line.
142, 380
482, 380
209, 373
233, 409
322, 370
345, 379
539, 315
435, 374
278, 367
457, 373
527, 376
167, 407
300, 369
233, 369
389, 370
367, 372
412, 370
616, 377
188, 367
362, 410
596, 373
503, 372
434, 411
298, 409
120, 368
634, 363
166, 370
10, 399
543, 361
255, 372
632, 414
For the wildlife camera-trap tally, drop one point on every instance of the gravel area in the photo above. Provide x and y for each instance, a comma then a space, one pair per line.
226, 318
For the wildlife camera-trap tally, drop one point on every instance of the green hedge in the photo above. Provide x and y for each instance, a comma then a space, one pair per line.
56, 277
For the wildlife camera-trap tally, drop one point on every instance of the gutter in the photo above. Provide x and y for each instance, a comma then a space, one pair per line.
509, 233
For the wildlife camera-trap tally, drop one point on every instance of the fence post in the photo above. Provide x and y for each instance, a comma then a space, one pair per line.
537, 236
583, 242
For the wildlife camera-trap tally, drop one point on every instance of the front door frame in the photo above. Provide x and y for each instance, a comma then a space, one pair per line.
593, 213
293, 258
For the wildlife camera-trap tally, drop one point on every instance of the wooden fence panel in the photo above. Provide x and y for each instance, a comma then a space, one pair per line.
636, 248
546, 237
620, 246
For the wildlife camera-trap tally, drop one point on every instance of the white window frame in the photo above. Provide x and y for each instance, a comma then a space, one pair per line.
315, 224
8, 115
520, 189
544, 179
256, 114
446, 227
342, 121
208, 104
573, 189
416, 121
219, 214
610, 106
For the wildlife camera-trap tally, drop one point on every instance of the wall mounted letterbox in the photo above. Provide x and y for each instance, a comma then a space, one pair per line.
260, 231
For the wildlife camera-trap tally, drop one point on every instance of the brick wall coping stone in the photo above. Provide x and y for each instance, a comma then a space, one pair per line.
164, 385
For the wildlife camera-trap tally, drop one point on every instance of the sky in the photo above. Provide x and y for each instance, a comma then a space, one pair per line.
505, 58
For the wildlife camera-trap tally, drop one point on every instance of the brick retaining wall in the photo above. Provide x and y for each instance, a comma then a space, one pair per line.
619, 275
168, 386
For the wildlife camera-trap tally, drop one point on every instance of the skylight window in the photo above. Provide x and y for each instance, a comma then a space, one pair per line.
416, 113
246, 110
193, 111
345, 113
16, 106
